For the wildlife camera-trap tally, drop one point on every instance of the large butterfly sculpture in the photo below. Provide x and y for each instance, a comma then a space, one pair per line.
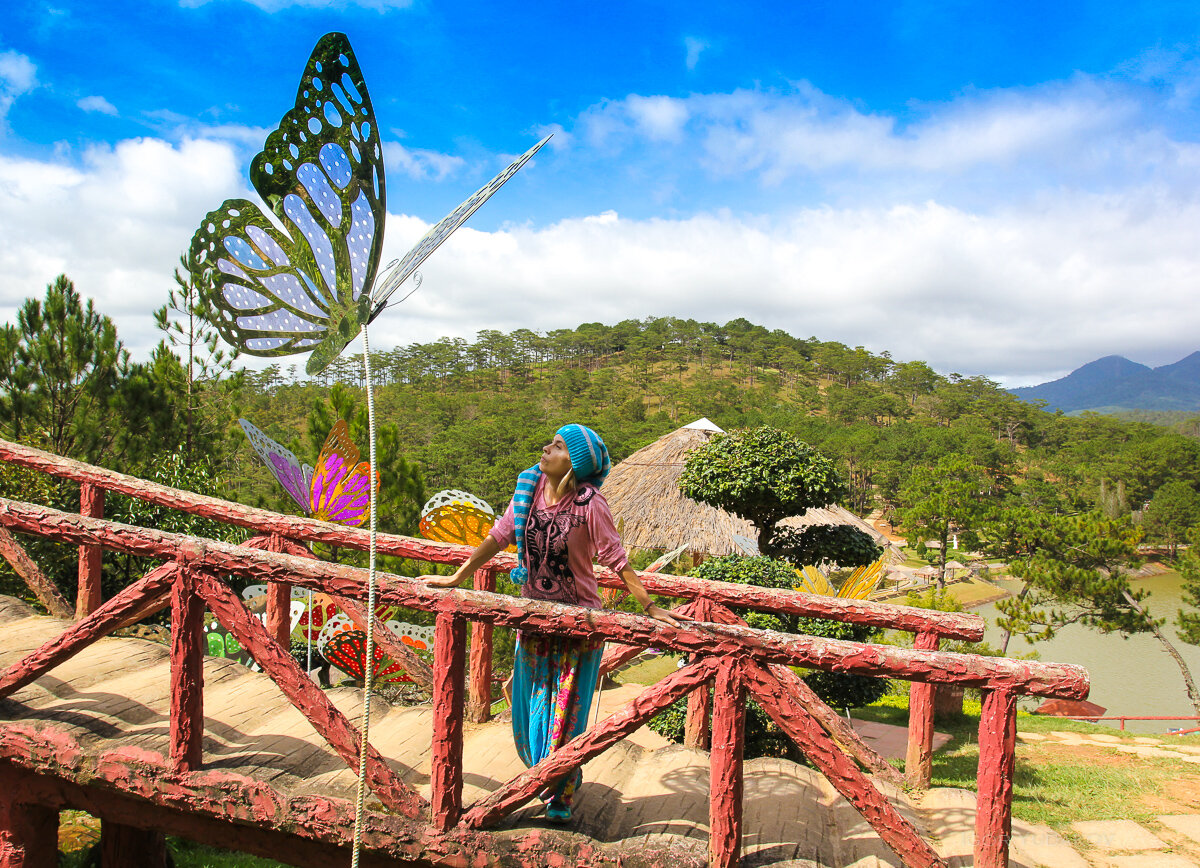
338, 490
304, 277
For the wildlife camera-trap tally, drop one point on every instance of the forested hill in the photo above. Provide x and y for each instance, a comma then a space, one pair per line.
1115, 383
472, 414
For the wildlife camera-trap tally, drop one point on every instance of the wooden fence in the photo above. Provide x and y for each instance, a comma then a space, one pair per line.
729, 661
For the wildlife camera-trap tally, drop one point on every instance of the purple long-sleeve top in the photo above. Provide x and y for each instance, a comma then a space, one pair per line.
561, 542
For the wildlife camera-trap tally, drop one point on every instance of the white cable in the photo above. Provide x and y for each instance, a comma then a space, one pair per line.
370, 650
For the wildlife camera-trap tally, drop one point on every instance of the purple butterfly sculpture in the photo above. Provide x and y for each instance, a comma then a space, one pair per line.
337, 490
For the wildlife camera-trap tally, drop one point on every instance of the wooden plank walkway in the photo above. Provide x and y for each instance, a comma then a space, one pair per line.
641, 793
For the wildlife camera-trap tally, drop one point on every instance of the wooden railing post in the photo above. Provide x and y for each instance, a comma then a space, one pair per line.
445, 775
480, 707
187, 674
997, 762
918, 762
699, 704
279, 601
28, 831
725, 776
88, 598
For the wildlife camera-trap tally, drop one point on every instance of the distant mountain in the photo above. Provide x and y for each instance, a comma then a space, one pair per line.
1115, 383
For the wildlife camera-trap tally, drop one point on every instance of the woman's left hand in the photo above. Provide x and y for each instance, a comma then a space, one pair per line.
658, 613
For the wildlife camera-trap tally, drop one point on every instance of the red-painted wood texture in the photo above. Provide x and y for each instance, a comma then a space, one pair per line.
725, 779
28, 830
88, 599
588, 744
137, 788
445, 776
896, 832
997, 760
842, 733
480, 706
187, 674
1020, 676
951, 625
103, 621
45, 590
918, 762
306, 696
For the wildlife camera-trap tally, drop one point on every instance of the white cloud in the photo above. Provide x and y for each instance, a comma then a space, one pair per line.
116, 224
1087, 131
18, 75
97, 104
1013, 295
420, 163
693, 46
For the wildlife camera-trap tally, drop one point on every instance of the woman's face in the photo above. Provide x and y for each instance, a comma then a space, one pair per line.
556, 460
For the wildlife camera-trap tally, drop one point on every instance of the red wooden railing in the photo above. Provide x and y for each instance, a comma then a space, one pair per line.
737, 660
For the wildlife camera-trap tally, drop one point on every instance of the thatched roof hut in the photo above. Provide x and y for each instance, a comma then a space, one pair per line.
643, 492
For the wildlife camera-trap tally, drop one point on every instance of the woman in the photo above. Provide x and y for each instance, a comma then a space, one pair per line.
560, 523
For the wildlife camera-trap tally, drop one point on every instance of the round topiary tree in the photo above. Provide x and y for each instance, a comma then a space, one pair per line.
766, 475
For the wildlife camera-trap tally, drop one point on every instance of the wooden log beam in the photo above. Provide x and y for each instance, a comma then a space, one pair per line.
997, 762
446, 772
950, 625
138, 788
479, 708
46, 591
187, 674
88, 598
307, 697
153, 585
588, 744
918, 761
725, 777
1035, 678
895, 831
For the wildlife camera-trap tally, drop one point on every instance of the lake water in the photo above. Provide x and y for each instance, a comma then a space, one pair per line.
1129, 676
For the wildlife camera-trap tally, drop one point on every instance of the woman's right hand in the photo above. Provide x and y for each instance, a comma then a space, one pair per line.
451, 581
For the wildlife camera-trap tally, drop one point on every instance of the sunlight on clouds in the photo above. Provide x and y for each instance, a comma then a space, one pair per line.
1010, 295
97, 104
116, 224
659, 118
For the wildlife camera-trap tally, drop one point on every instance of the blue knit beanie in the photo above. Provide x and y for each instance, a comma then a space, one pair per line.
589, 460
589, 455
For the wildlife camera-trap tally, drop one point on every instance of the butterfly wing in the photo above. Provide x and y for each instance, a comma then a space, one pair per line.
456, 517
399, 272
303, 284
281, 462
340, 489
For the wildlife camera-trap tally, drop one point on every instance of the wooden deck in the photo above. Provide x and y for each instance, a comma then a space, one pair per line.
639, 798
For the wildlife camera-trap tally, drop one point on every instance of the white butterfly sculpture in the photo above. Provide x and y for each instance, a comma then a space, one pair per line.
306, 280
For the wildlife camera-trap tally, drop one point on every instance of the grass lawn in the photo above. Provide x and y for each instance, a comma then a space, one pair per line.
1056, 784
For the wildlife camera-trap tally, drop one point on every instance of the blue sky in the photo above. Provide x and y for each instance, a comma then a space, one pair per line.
1001, 189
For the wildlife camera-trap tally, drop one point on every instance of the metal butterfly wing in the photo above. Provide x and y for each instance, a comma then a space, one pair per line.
283, 464
340, 490
302, 283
